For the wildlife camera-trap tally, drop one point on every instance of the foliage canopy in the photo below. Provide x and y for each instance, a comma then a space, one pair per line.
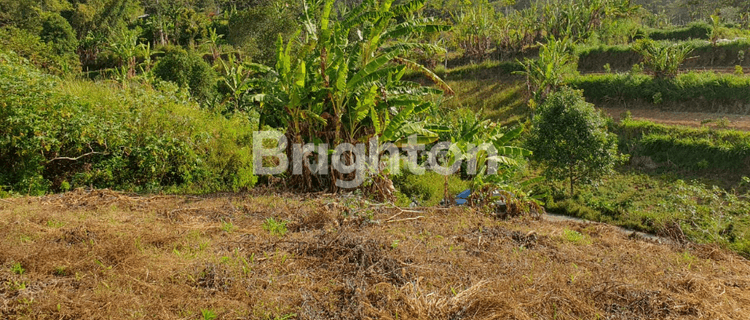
570, 138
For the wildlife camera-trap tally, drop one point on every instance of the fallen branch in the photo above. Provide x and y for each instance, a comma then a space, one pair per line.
77, 158
406, 219
400, 211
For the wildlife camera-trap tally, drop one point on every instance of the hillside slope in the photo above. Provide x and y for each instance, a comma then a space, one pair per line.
102, 254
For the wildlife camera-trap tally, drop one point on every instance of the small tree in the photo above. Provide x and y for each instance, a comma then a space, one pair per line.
570, 137
547, 73
187, 69
663, 60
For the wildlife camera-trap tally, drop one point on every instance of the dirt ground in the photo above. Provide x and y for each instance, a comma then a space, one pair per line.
101, 254
690, 119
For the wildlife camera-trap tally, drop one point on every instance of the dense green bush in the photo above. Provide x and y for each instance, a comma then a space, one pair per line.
58, 32
255, 30
619, 57
40, 53
55, 136
691, 88
188, 69
662, 60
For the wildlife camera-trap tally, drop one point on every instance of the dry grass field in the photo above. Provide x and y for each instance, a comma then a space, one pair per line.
106, 255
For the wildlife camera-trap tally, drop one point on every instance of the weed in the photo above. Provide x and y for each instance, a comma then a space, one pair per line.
16, 286
55, 224
574, 237
657, 98
17, 268
275, 227
687, 258
722, 123
227, 226
208, 314
61, 271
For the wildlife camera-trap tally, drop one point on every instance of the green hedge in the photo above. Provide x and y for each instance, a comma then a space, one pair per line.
686, 148
56, 135
696, 30
622, 57
690, 88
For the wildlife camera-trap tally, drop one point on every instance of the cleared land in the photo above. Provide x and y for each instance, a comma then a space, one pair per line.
102, 254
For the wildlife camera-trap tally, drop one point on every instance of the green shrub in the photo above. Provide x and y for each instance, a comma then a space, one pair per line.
48, 56
619, 57
56, 136
689, 88
662, 59
427, 189
255, 30
58, 33
188, 69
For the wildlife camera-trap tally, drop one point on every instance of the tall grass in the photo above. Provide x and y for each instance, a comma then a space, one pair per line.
692, 149
700, 87
623, 57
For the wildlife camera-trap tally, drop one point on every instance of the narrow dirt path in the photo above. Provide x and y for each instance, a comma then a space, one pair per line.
690, 119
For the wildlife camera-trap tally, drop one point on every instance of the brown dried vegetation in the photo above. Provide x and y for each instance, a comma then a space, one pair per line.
101, 254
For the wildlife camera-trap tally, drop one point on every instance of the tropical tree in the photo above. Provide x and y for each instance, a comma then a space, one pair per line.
474, 29
341, 80
715, 32
481, 141
662, 59
124, 46
570, 138
547, 73
187, 69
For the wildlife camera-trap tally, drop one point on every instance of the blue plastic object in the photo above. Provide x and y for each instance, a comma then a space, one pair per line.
464, 194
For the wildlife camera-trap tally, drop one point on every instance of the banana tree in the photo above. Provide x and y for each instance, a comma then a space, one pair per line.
489, 156
125, 47
548, 72
341, 79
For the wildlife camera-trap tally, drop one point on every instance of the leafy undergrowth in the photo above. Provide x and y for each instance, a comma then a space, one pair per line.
101, 254
664, 205
427, 189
